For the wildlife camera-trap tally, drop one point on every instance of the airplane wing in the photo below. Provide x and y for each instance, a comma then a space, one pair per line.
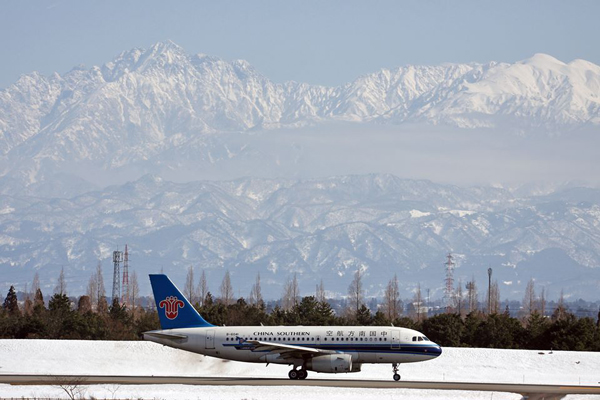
286, 350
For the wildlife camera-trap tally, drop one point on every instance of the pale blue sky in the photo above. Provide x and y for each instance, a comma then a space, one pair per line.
319, 42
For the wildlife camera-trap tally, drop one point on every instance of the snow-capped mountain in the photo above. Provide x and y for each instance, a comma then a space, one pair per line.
319, 229
147, 102
65, 138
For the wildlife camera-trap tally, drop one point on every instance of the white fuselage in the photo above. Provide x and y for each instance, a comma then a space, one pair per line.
364, 344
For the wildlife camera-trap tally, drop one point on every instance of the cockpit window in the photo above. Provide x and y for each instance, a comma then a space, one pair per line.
420, 338
414, 338
425, 337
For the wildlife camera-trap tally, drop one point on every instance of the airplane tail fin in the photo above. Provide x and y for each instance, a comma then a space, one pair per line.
174, 310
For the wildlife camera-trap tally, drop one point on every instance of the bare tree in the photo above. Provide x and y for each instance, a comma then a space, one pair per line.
84, 304
256, 293
529, 299
202, 289
74, 387
460, 301
35, 285
495, 298
188, 289
418, 304
543, 302
100, 282
61, 285
290, 293
28, 303
356, 292
391, 302
226, 290
472, 295
295, 290
560, 312
134, 292
92, 290
320, 293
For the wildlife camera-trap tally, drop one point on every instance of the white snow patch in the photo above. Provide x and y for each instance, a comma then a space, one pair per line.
145, 358
418, 214
461, 213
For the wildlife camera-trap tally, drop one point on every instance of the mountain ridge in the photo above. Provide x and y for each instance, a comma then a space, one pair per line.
318, 228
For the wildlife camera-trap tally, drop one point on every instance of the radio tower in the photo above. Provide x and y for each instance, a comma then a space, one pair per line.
449, 291
116, 291
125, 287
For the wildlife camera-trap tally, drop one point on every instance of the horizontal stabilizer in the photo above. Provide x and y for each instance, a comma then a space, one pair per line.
169, 336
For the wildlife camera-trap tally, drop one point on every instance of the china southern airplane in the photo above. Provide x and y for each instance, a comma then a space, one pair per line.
330, 349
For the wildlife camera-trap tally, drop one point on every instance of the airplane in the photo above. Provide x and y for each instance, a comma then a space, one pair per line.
327, 349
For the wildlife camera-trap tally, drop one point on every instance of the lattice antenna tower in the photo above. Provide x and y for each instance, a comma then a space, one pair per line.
116, 290
125, 287
449, 290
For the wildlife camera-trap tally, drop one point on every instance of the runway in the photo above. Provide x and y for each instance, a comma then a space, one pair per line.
530, 391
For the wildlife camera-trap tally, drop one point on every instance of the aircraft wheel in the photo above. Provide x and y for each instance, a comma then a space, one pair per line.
293, 374
396, 377
302, 374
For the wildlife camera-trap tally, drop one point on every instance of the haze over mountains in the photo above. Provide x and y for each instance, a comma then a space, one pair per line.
184, 118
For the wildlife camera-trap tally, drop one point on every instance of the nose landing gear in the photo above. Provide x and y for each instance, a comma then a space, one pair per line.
396, 374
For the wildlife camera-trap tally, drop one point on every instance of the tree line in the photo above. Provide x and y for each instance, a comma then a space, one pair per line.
466, 323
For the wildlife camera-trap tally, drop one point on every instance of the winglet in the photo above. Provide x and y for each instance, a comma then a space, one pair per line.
174, 310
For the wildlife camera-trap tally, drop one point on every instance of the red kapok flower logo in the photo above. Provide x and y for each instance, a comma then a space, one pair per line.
171, 305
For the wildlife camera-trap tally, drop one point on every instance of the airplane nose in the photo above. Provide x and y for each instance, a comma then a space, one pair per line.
438, 351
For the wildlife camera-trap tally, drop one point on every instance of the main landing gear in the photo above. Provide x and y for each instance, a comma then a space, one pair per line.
298, 374
396, 374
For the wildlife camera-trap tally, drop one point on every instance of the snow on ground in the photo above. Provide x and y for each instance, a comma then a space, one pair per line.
146, 358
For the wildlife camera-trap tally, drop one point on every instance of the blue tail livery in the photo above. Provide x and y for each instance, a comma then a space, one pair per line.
174, 310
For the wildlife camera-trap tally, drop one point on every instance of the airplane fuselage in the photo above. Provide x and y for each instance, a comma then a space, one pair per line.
363, 344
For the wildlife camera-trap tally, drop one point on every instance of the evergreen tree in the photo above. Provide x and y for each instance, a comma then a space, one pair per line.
444, 329
324, 314
471, 325
59, 312
380, 319
570, 333
364, 317
11, 305
537, 328
499, 331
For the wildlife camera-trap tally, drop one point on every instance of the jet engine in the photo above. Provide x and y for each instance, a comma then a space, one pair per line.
330, 363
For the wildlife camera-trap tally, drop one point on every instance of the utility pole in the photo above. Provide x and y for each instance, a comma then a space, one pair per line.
489, 290
125, 286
